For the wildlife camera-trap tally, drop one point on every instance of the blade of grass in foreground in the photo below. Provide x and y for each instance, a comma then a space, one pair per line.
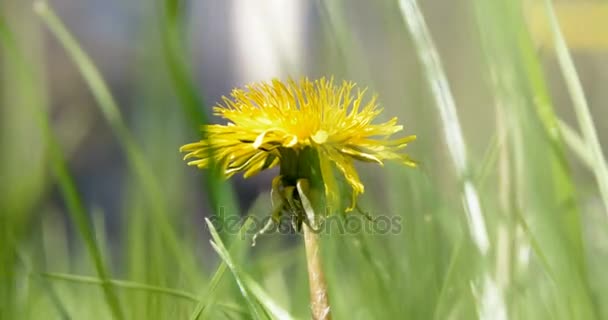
444, 101
70, 194
274, 309
585, 120
205, 300
568, 221
576, 144
447, 109
223, 252
251, 294
121, 284
80, 218
111, 112
49, 290
192, 102
132, 285
543, 192
335, 24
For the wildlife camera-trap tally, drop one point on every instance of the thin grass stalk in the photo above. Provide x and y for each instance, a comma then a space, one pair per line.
576, 143
80, 218
446, 106
191, 99
348, 53
136, 286
207, 298
492, 304
125, 284
520, 88
257, 300
69, 192
151, 187
581, 107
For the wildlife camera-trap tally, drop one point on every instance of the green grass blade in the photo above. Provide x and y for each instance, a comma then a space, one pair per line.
191, 101
444, 101
581, 108
448, 276
81, 220
225, 255
551, 215
132, 285
250, 290
275, 310
203, 306
150, 184
50, 291
171, 29
203, 302
75, 207
349, 56
576, 144
489, 160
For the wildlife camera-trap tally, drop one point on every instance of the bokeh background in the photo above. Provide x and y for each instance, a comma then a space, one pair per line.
97, 96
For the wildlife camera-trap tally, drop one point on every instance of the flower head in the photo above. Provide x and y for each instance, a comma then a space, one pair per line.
300, 126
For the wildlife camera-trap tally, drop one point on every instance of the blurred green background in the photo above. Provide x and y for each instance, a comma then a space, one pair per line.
506, 217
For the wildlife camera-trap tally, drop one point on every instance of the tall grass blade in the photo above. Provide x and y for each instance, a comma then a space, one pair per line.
191, 101
226, 258
82, 221
577, 144
543, 199
275, 310
131, 285
446, 106
491, 300
203, 308
150, 184
585, 120
73, 201
252, 292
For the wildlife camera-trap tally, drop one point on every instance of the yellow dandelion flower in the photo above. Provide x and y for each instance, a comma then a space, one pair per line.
309, 128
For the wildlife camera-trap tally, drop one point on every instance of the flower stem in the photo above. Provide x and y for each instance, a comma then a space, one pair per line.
319, 301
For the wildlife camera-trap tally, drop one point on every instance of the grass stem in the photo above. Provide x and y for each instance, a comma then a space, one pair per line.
581, 107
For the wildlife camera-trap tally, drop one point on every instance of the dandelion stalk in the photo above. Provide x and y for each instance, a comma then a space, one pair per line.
319, 299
